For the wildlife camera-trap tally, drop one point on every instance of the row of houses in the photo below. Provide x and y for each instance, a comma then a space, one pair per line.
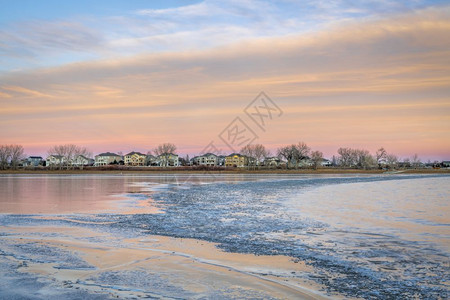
104, 159
164, 160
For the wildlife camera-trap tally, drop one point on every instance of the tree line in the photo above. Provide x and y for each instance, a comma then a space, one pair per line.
295, 156
11, 156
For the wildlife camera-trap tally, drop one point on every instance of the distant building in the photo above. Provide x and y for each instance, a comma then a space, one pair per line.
55, 160
168, 160
82, 161
236, 160
107, 158
33, 161
221, 160
445, 163
305, 162
272, 162
208, 159
135, 159
151, 160
326, 162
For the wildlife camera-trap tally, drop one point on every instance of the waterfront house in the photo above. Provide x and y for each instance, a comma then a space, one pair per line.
326, 162
33, 161
151, 160
82, 161
208, 159
107, 158
221, 160
55, 160
272, 162
236, 160
168, 160
135, 159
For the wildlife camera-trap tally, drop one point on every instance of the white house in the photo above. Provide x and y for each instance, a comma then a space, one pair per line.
208, 159
55, 160
272, 161
81, 160
168, 160
104, 159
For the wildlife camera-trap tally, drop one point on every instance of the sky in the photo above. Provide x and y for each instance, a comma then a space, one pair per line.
129, 75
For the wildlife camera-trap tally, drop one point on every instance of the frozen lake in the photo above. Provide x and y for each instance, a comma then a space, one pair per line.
366, 236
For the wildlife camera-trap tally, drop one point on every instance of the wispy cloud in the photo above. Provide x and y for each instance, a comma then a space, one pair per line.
21, 91
206, 24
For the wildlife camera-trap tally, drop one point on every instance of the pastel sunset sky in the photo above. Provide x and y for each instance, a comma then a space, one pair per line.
129, 75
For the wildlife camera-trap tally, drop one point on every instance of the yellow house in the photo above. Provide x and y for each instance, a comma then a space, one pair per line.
236, 160
134, 159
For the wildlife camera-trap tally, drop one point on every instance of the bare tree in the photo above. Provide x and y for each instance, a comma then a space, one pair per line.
302, 150
81, 151
5, 156
316, 157
347, 157
358, 158
289, 153
391, 160
381, 156
60, 152
364, 159
294, 153
415, 161
257, 151
71, 150
164, 150
16, 154
68, 153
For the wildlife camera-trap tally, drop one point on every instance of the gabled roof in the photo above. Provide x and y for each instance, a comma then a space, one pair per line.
273, 157
108, 154
134, 152
233, 154
83, 157
35, 157
208, 154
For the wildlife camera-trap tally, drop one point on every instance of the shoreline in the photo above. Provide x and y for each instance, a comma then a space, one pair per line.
143, 170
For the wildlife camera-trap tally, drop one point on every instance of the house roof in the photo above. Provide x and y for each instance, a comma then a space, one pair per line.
134, 152
35, 157
233, 154
87, 158
108, 154
208, 154
273, 157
